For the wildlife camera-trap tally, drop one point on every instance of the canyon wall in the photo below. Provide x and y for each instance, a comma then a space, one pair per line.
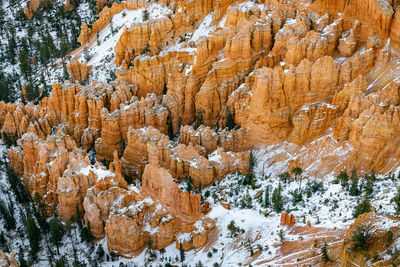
195, 91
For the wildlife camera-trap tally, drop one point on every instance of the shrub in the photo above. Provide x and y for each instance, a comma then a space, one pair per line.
363, 207
361, 238
146, 15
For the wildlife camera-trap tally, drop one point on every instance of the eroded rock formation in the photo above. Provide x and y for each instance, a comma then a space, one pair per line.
195, 91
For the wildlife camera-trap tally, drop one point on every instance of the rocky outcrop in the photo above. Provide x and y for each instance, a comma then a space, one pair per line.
378, 227
284, 92
142, 37
181, 161
102, 3
8, 259
85, 34
34, 4
287, 219
210, 139
78, 71
395, 28
158, 183
127, 232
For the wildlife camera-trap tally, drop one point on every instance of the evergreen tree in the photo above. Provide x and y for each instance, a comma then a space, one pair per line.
165, 89
33, 235
343, 178
181, 252
361, 238
21, 258
277, 201
297, 171
86, 234
5, 88
297, 196
189, 184
40, 212
372, 177
12, 46
363, 207
285, 176
281, 236
100, 253
56, 232
199, 119
16, 186
248, 180
324, 252
61, 262
145, 15
354, 191
7, 215
3, 242
149, 242
65, 72
78, 217
396, 202
369, 186
24, 62
267, 198
230, 123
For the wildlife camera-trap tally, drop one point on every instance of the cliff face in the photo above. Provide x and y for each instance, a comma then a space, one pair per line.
374, 13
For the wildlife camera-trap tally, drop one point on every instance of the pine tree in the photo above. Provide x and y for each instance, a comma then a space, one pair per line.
343, 178
250, 171
281, 236
230, 123
369, 186
40, 217
324, 252
361, 238
17, 186
181, 252
354, 191
56, 233
33, 234
7, 215
145, 15
100, 253
65, 72
86, 234
266, 198
297, 171
78, 217
62, 262
396, 202
285, 176
363, 207
199, 119
24, 62
22, 262
277, 201
189, 184
3, 242
149, 242
165, 89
